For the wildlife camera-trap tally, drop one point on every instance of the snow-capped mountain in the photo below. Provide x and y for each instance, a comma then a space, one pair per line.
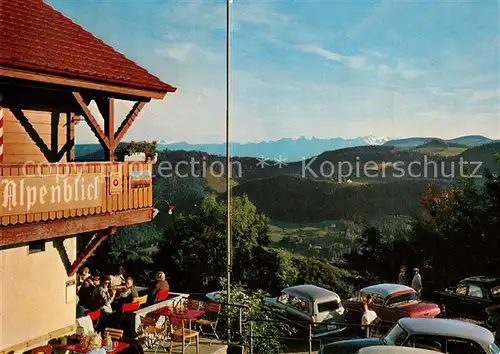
293, 149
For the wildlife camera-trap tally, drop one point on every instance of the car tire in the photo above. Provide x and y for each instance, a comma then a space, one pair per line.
489, 322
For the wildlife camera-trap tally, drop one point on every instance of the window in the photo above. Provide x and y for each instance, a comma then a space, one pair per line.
374, 299
396, 300
461, 289
298, 303
426, 342
459, 346
36, 246
328, 306
396, 336
283, 298
475, 291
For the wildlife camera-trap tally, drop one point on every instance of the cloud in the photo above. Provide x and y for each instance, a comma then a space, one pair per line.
354, 62
181, 50
486, 95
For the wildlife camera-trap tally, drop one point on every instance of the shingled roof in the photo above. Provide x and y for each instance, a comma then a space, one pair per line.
37, 38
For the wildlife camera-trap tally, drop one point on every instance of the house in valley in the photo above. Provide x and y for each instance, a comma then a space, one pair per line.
51, 69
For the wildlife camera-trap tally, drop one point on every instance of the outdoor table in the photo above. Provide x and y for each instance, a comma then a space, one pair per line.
77, 348
187, 314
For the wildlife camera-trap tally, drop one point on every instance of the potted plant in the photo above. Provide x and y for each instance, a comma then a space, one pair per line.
138, 151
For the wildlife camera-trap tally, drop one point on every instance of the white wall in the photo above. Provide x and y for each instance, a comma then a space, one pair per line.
33, 299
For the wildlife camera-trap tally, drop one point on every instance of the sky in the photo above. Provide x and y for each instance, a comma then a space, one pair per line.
307, 68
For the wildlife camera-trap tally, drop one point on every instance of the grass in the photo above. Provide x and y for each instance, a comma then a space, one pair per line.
442, 150
218, 183
281, 229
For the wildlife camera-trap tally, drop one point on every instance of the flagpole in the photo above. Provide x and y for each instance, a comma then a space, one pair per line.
228, 168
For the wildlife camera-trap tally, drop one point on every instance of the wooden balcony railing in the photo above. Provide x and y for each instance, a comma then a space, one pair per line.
51, 191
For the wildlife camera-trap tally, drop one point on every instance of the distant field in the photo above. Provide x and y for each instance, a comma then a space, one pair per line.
443, 151
281, 229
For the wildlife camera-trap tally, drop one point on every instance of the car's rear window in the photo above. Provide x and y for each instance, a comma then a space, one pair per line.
328, 306
495, 291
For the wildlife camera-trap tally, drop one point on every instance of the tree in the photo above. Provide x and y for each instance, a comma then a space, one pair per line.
194, 248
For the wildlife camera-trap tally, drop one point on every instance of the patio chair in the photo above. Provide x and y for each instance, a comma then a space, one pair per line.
94, 316
210, 319
114, 333
141, 299
151, 336
179, 333
192, 304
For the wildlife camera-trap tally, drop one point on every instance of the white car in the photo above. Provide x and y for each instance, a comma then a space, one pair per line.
308, 303
382, 349
437, 334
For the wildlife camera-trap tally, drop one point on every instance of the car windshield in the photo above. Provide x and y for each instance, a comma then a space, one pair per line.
401, 299
494, 349
396, 336
328, 306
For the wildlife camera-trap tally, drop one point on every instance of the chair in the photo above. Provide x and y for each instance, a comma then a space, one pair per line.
150, 335
192, 304
114, 333
45, 349
131, 306
181, 334
210, 319
141, 299
162, 295
94, 316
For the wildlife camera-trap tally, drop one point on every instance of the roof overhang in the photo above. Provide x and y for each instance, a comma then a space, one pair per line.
61, 80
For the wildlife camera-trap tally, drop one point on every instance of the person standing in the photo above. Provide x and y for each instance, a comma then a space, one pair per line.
416, 282
402, 276
368, 317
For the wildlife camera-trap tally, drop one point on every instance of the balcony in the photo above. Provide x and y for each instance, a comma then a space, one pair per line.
86, 196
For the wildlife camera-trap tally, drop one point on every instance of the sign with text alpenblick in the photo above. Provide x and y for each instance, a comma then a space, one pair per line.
40, 194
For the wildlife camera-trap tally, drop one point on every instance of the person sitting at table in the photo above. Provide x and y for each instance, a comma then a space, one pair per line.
161, 285
104, 295
127, 295
119, 278
83, 275
85, 293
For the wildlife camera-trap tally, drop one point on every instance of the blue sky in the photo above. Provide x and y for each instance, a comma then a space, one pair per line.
308, 68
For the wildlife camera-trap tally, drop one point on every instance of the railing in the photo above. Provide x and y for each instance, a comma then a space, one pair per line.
353, 329
39, 192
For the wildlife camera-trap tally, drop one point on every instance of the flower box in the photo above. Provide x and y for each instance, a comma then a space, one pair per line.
138, 152
140, 157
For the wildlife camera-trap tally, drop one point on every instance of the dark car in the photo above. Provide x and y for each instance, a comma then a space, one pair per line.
470, 298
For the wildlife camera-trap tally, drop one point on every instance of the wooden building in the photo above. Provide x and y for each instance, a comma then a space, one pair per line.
51, 69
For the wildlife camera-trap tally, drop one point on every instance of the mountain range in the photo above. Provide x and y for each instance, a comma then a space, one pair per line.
302, 148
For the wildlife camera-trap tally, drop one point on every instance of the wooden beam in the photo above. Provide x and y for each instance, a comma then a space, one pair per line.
91, 121
127, 122
96, 240
24, 233
107, 109
80, 83
70, 136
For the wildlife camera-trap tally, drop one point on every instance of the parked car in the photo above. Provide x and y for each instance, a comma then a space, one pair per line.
470, 298
383, 349
391, 302
312, 304
435, 334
